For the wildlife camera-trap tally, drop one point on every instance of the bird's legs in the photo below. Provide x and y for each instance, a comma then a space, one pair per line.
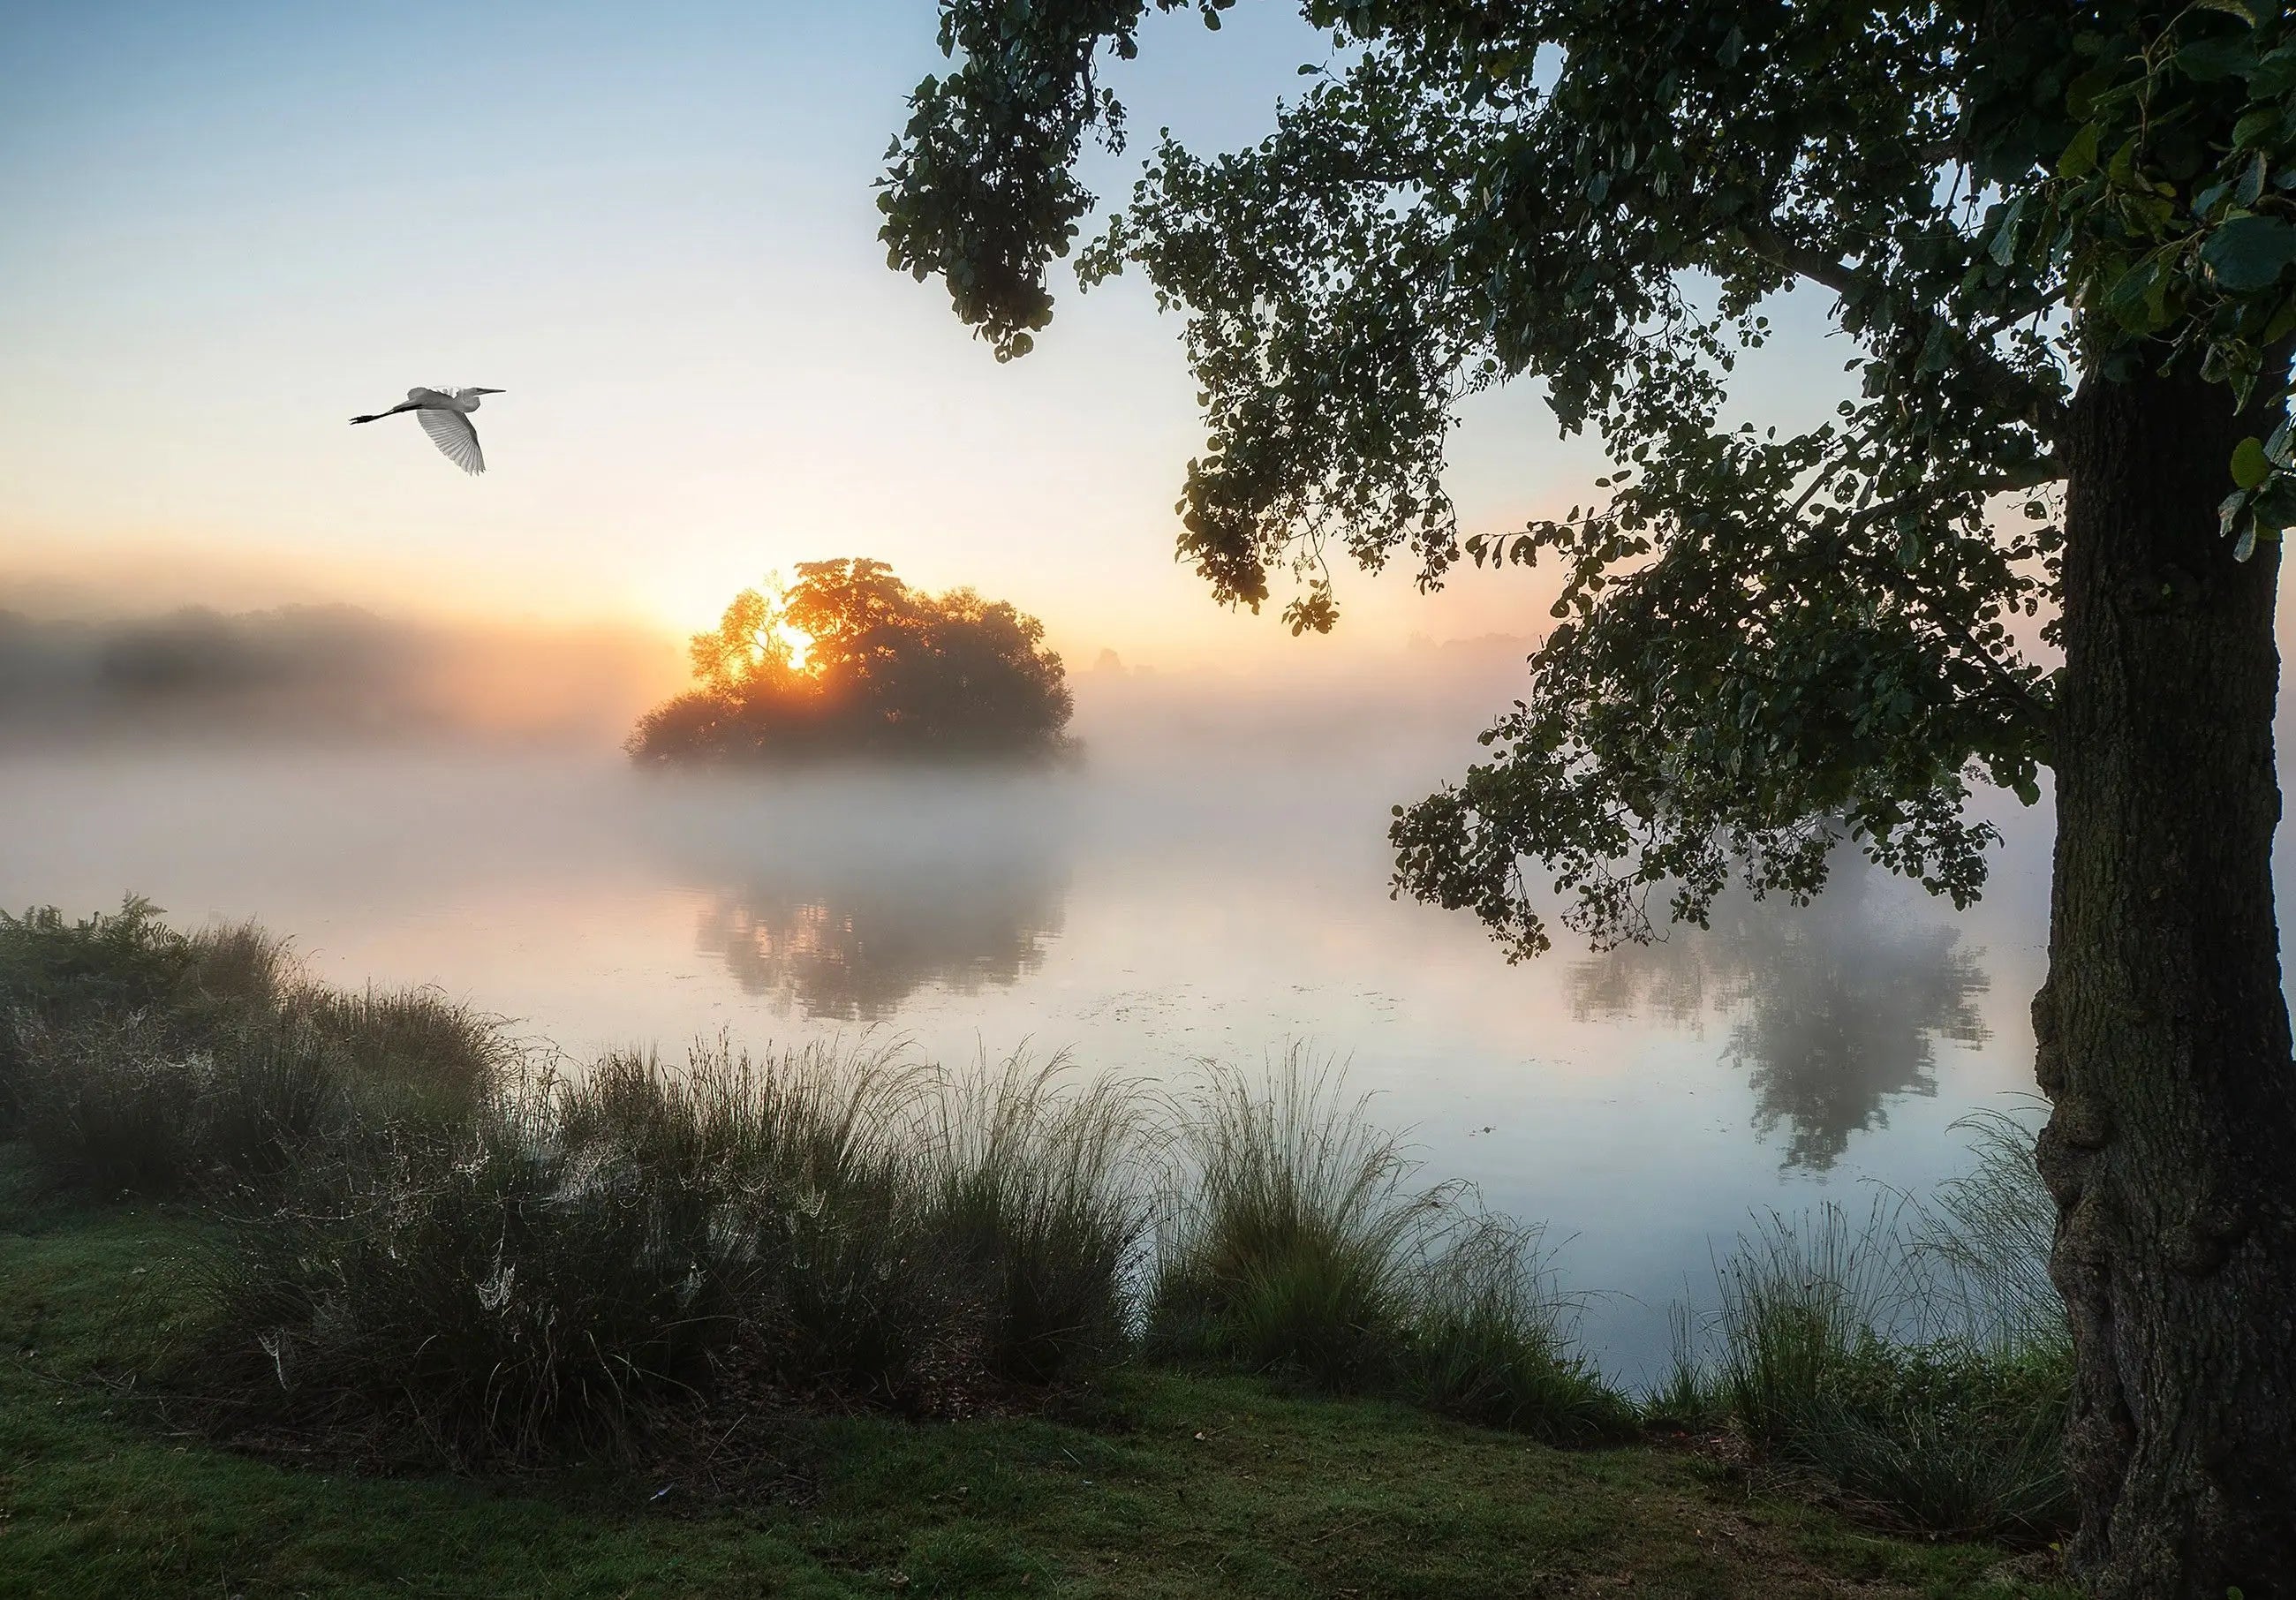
394, 411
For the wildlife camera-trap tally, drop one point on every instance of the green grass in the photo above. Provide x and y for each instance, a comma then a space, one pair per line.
1165, 1485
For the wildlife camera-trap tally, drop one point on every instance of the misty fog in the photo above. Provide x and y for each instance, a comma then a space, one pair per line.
315, 674
418, 803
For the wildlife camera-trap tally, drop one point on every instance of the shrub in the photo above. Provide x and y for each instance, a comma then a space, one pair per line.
465, 1281
54, 974
581, 1252
135, 1056
107, 1103
124, 1103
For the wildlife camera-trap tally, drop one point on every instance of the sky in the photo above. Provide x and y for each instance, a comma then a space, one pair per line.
227, 228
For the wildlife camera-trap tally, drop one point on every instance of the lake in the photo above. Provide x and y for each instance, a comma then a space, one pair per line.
1194, 890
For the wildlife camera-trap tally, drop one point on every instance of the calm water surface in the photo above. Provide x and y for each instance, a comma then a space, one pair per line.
1222, 898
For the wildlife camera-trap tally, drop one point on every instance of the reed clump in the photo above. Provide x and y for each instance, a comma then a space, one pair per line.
133, 1056
588, 1252
1916, 1361
1036, 1197
1291, 1239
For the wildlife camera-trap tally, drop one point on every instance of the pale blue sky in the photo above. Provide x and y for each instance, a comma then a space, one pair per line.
225, 228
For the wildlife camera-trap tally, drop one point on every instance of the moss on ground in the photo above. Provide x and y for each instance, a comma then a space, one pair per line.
1173, 1485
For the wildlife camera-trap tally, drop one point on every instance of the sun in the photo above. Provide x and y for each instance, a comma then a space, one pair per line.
793, 644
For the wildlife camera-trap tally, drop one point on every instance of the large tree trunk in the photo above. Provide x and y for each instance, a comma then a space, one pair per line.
2163, 1038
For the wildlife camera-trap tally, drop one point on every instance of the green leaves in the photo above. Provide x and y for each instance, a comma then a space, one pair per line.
2250, 468
2249, 253
1430, 218
2214, 60
2078, 160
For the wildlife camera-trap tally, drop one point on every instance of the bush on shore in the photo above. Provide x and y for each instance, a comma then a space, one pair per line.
136, 1057
584, 1251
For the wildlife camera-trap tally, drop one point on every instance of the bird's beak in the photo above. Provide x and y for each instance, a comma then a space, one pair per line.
494, 391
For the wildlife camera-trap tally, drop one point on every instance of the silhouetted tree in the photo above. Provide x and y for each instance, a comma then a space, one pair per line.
849, 659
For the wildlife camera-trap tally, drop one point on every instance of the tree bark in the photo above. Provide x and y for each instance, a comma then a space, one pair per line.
2163, 1038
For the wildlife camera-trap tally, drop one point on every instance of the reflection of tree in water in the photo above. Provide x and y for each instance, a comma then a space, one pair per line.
854, 947
1837, 1006
845, 902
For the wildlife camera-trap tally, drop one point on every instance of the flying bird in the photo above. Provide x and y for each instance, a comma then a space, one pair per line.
446, 416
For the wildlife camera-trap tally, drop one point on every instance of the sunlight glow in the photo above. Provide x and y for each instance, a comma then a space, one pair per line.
780, 639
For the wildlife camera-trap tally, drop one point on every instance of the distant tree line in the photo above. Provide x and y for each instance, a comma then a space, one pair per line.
315, 675
849, 659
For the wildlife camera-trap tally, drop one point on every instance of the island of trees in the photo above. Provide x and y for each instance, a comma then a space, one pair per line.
850, 660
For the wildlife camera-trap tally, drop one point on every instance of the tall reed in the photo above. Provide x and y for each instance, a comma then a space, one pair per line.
1289, 1239
1916, 1361
1037, 1192
772, 1228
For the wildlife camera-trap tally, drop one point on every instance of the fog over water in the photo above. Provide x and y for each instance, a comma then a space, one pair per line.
1210, 881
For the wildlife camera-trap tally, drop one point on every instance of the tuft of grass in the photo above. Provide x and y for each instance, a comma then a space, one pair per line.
406, 1053
1285, 1232
1907, 1361
1987, 1232
1690, 1397
1036, 1195
1291, 1241
231, 968
1488, 1338
1800, 1297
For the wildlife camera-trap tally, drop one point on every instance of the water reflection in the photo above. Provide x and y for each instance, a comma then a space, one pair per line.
840, 902
853, 947
1834, 1008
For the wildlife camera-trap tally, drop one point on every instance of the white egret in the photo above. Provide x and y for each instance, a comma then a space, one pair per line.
446, 416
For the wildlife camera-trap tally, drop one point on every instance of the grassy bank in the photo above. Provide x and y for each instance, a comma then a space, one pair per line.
1152, 1483
275, 1256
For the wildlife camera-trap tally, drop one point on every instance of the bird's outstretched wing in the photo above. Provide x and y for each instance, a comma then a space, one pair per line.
452, 432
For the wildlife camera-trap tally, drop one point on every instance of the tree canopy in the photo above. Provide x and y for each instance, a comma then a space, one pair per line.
1762, 636
850, 660
2057, 238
